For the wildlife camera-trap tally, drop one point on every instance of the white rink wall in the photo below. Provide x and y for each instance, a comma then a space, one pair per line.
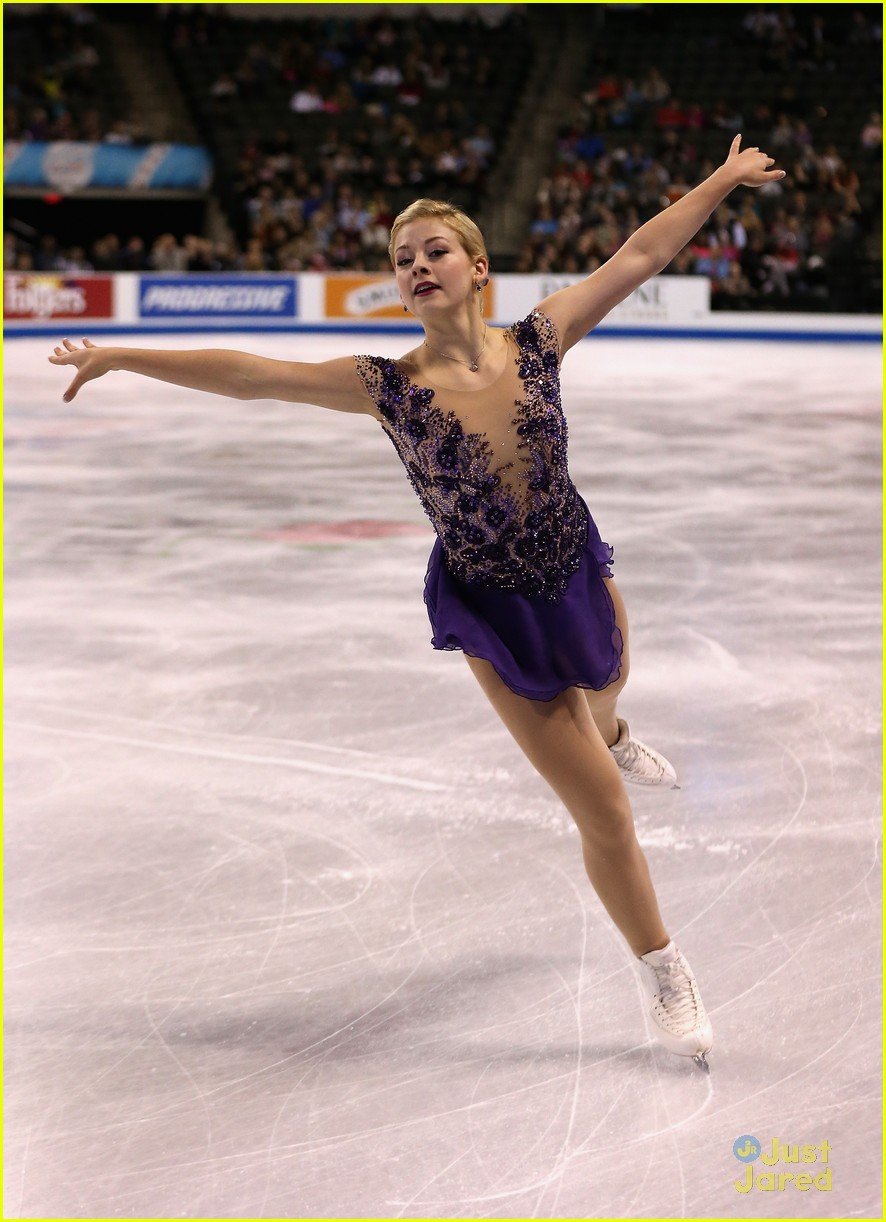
46, 303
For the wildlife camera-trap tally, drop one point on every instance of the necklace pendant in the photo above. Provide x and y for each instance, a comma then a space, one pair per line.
474, 366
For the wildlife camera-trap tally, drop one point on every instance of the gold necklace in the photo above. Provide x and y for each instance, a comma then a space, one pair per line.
472, 365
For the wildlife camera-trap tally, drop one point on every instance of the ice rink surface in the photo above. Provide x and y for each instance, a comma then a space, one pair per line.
293, 928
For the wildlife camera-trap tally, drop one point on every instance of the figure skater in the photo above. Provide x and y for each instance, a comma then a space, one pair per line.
518, 578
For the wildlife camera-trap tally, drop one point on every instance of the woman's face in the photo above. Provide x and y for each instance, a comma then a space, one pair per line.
428, 251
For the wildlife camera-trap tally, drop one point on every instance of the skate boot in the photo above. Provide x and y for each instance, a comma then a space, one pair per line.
639, 764
675, 1005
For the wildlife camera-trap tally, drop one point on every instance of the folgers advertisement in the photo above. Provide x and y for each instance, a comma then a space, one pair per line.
376, 296
55, 295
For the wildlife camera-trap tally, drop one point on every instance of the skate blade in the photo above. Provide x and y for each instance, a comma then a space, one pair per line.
700, 1060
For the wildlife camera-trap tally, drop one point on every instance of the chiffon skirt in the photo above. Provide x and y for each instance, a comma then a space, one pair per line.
537, 647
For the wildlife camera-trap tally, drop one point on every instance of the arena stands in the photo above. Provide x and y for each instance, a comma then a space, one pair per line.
658, 115
323, 129
60, 81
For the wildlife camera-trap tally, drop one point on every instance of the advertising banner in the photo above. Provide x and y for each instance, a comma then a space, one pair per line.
69, 166
368, 302
55, 295
213, 296
367, 296
663, 301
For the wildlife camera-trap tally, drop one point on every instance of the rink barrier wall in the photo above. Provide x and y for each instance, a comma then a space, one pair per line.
678, 307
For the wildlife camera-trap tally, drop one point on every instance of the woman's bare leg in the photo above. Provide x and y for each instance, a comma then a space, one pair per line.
602, 703
561, 740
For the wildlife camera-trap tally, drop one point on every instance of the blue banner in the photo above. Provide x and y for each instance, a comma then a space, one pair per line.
67, 166
189, 296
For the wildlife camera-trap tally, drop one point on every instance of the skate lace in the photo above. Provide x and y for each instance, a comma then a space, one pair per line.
635, 751
678, 996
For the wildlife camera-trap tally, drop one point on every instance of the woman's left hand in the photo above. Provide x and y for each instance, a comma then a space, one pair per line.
750, 167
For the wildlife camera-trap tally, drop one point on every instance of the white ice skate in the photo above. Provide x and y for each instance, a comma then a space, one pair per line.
639, 764
675, 1005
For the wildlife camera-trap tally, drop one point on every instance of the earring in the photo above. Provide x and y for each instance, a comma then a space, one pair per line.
405, 311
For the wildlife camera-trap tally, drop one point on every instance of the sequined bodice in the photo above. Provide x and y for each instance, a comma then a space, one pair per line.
492, 475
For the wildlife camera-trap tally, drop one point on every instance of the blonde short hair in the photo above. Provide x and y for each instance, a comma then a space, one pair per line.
468, 234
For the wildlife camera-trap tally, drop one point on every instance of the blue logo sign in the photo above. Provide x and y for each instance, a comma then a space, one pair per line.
199, 296
746, 1148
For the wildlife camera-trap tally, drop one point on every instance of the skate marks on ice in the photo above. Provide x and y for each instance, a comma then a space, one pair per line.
293, 929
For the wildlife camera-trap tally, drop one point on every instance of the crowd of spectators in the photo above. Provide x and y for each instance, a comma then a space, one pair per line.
808, 46
406, 104
316, 248
372, 66
764, 246
166, 253
629, 148
773, 241
59, 93
338, 213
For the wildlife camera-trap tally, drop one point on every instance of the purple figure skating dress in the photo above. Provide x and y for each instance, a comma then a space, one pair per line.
516, 573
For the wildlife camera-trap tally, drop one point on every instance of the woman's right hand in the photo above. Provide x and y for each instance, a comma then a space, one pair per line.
89, 361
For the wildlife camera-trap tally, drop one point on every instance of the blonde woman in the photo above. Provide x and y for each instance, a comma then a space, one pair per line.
518, 578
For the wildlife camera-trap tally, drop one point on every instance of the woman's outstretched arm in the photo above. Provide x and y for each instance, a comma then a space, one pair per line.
237, 375
577, 309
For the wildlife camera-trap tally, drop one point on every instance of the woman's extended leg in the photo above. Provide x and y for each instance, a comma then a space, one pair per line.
602, 703
561, 740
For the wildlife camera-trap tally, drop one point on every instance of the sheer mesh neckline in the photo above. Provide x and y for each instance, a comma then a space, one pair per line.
449, 390
507, 515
